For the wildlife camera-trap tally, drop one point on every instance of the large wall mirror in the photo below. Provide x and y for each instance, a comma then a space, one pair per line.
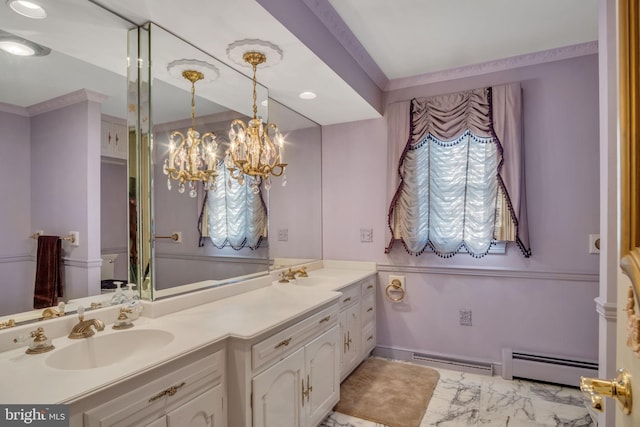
56, 175
65, 140
208, 238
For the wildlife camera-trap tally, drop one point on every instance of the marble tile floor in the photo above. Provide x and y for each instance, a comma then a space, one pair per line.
464, 399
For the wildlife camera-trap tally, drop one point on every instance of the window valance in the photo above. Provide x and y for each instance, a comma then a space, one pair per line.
492, 113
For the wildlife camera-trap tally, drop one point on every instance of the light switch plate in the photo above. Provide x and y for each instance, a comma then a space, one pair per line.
283, 234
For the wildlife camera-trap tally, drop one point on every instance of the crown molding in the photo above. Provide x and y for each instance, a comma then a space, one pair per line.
323, 10
13, 109
510, 63
65, 101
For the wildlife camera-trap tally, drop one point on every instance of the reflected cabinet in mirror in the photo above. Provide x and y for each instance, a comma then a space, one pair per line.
194, 232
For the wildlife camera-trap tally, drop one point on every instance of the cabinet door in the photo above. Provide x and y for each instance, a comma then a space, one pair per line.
322, 369
277, 393
121, 141
351, 332
205, 410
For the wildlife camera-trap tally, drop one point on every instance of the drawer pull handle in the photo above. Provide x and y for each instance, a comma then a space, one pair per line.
283, 343
370, 287
370, 309
168, 392
370, 338
346, 299
325, 319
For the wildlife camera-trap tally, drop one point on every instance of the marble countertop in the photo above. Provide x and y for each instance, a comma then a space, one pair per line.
28, 379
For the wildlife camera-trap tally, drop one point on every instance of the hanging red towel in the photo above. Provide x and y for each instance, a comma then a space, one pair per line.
49, 282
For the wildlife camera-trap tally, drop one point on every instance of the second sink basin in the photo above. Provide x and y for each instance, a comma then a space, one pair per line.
103, 350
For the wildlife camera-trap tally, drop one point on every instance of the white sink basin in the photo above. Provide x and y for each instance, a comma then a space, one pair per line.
103, 350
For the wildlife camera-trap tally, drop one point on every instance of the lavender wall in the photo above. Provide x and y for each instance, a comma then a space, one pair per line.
69, 200
296, 207
17, 249
40, 195
543, 303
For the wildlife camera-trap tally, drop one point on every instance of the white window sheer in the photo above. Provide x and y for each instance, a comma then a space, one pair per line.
233, 215
456, 182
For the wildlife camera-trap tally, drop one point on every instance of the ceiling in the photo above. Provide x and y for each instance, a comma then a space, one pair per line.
347, 51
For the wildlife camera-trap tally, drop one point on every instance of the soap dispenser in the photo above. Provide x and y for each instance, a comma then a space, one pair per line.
118, 297
134, 308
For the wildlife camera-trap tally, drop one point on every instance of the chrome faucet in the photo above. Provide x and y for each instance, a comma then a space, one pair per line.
83, 329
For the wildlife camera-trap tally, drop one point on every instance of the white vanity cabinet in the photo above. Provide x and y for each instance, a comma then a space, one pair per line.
288, 378
187, 393
357, 323
301, 389
368, 315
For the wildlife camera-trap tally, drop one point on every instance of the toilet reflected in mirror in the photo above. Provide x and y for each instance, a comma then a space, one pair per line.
108, 278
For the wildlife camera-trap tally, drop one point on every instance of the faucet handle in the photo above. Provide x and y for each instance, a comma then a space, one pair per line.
283, 277
123, 321
40, 343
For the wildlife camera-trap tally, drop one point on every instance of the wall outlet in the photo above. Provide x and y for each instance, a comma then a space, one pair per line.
465, 318
283, 235
179, 234
594, 243
366, 235
400, 281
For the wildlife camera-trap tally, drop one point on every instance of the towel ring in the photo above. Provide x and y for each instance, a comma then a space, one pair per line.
395, 286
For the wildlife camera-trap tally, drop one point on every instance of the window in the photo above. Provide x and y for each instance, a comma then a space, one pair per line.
457, 173
233, 215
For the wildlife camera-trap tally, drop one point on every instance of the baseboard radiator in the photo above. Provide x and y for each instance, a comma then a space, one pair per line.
454, 364
546, 367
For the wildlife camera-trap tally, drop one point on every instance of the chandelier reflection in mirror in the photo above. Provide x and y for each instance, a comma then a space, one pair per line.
255, 149
192, 158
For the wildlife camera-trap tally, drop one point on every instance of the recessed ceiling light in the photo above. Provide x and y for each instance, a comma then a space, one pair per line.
16, 48
307, 95
22, 47
26, 8
265, 103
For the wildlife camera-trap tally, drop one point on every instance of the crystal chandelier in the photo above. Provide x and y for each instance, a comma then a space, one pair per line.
192, 158
255, 149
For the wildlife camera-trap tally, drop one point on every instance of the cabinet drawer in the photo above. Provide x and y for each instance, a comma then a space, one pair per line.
159, 396
350, 296
284, 342
368, 337
368, 309
368, 285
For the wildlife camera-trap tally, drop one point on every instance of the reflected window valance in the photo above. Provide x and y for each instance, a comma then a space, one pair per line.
457, 172
233, 215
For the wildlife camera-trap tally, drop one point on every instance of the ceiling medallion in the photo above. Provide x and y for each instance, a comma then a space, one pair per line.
271, 52
209, 71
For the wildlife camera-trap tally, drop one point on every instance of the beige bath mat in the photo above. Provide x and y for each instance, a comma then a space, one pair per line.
392, 393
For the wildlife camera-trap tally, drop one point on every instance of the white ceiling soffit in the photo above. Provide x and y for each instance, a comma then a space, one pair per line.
199, 22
